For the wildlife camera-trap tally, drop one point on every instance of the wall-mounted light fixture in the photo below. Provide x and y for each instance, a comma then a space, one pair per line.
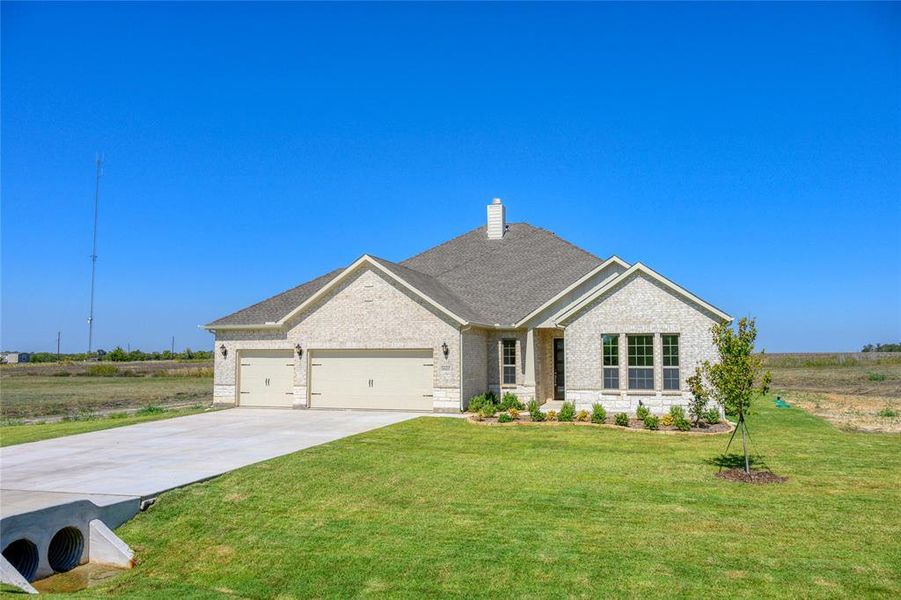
223, 350
445, 349
299, 351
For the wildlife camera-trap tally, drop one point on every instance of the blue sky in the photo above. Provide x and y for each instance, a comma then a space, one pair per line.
750, 152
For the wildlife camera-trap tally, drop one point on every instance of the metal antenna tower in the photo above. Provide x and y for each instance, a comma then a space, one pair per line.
94, 252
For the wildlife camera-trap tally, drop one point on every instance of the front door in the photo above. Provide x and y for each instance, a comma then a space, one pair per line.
559, 379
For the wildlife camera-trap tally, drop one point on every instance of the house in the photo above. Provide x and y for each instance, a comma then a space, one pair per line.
504, 307
11, 358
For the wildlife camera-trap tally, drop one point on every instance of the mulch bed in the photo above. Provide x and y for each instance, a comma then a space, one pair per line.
634, 424
740, 476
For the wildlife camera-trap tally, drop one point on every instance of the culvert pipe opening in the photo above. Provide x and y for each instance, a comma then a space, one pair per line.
66, 547
22, 554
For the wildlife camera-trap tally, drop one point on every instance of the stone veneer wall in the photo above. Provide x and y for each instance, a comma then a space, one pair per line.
366, 311
638, 305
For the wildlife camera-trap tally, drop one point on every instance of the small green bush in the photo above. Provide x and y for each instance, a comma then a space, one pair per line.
887, 412
567, 412
476, 403
652, 422
117, 415
712, 416
621, 419
535, 411
511, 401
598, 414
488, 410
150, 409
682, 424
641, 412
504, 418
876, 376
582, 416
677, 412
102, 371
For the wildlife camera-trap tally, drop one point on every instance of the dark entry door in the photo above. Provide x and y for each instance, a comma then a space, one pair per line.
559, 377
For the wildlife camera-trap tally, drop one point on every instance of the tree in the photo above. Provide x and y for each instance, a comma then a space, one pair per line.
699, 396
738, 376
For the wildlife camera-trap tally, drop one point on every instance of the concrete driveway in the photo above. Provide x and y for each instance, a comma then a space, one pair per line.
147, 459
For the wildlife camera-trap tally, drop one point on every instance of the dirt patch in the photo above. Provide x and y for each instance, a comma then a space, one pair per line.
755, 477
851, 412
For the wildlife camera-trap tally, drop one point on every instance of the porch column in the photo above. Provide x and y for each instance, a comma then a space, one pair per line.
531, 355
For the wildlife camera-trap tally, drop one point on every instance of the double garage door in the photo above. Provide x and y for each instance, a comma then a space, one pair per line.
366, 379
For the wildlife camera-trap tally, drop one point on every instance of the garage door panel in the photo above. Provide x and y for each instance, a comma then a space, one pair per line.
266, 378
372, 379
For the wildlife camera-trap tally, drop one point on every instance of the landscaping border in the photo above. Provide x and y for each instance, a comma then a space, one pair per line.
472, 419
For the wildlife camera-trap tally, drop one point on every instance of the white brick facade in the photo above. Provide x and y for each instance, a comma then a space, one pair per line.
369, 310
638, 305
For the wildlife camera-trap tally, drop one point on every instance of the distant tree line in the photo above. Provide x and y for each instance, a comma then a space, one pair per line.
882, 348
119, 354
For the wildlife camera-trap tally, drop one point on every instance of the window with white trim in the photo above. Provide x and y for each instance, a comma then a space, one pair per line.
610, 343
670, 361
641, 362
508, 355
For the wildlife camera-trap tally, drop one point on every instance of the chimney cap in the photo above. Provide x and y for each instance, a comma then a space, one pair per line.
496, 201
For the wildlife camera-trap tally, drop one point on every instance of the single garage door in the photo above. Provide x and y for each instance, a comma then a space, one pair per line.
375, 379
266, 378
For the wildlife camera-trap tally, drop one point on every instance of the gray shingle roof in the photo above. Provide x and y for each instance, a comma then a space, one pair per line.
480, 280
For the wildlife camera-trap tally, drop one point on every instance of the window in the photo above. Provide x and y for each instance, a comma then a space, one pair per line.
611, 361
671, 362
509, 361
641, 362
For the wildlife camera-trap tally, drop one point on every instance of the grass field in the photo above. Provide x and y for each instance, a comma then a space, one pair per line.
34, 397
440, 508
856, 395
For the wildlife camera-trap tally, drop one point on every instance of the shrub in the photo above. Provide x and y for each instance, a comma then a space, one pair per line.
712, 416
551, 415
876, 377
504, 418
652, 422
535, 411
598, 414
682, 424
488, 410
887, 412
699, 396
582, 416
567, 412
150, 409
641, 412
666, 420
476, 403
117, 415
511, 401
677, 412
621, 419
102, 371
513, 412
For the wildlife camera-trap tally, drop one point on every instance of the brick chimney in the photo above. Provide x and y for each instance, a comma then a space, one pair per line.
497, 220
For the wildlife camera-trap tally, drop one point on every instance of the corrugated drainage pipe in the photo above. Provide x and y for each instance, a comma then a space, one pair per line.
66, 547
22, 554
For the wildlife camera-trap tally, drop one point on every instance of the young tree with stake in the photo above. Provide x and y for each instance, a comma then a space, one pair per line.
738, 376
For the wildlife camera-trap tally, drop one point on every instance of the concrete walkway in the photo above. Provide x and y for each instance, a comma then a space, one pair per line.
141, 461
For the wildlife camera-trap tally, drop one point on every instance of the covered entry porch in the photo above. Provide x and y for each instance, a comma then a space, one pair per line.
545, 365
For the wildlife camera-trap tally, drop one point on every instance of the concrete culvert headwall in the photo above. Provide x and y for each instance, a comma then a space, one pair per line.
22, 554
65, 550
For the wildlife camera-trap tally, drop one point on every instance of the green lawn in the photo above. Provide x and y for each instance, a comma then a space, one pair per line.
441, 507
20, 434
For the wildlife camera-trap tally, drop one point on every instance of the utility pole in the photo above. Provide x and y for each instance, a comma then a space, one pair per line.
94, 253
58, 334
